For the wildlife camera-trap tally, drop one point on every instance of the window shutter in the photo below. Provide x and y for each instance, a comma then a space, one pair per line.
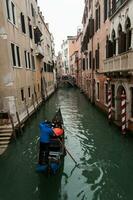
22, 23
90, 60
91, 22
105, 10
99, 17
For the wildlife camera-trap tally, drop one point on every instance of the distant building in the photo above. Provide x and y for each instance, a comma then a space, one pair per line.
65, 57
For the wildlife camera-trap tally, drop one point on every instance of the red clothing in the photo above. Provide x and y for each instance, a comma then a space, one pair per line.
58, 131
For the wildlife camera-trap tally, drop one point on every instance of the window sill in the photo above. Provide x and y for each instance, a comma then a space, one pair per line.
16, 67
12, 23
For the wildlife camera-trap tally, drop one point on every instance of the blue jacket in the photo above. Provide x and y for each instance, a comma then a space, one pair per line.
45, 132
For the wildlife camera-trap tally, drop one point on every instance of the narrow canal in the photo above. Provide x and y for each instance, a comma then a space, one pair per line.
105, 157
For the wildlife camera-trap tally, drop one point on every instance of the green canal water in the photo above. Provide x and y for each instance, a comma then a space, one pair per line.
105, 157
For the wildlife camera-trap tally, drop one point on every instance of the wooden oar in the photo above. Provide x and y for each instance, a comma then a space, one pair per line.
67, 150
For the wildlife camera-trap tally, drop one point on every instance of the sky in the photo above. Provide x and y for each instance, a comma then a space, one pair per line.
63, 16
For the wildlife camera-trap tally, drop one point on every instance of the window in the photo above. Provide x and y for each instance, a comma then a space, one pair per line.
97, 57
32, 60
97, 18
90, 59
32, 10
45, 67
128, 33
121, 40
86, 63
109, 48
13, 12
29, 93
106, 93
97, 90
30, 28
8, 11
13, 54
18, 56
25, 56
83, 63
29, 60
22, 23
106, 9
22, 94
113, 42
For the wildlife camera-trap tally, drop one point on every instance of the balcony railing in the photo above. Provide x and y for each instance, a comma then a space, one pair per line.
39, 51
119, 63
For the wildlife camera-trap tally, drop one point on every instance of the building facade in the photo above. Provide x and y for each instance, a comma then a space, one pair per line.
26, 67
107, 48
119, 56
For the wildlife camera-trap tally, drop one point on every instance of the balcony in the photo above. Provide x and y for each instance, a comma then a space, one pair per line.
120, 63
39, 51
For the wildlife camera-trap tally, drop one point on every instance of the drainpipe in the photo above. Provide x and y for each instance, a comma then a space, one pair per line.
92, 72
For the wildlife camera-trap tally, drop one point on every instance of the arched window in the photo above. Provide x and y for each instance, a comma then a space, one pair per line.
113, 37
109, 48
128, 33
121, 40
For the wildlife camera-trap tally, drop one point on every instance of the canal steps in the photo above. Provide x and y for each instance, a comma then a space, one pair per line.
5, 137
8, 131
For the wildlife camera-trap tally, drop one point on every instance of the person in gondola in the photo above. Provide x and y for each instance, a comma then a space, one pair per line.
46, 132
57, 129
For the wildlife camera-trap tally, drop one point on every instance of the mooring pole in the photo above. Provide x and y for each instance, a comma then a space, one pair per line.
123, 113
109, 104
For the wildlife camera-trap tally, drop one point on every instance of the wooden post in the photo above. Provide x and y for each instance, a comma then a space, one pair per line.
123, 113
26, 108
19, 123
36, 98
33, 103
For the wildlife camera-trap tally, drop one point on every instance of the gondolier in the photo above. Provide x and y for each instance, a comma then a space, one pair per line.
46, 133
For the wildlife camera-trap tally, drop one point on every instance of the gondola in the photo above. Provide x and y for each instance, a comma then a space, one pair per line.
56, 149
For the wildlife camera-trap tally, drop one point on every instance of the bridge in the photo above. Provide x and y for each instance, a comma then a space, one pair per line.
66, 79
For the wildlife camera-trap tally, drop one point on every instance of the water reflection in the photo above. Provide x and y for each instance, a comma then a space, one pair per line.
105, 164
49, 186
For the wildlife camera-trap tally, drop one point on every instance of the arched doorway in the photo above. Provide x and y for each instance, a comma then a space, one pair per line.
120, 90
